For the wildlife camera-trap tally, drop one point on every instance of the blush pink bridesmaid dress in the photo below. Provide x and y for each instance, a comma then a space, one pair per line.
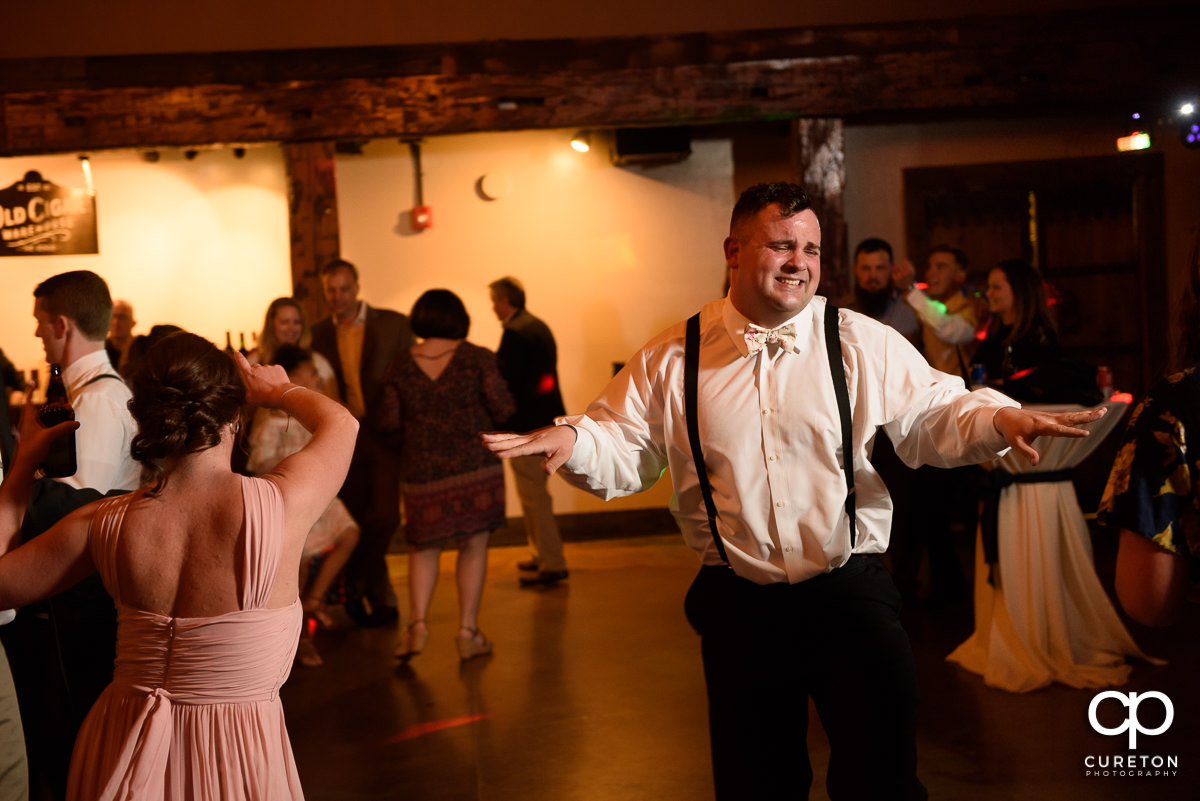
193, 711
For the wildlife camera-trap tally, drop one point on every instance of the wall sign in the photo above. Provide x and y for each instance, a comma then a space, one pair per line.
41, 218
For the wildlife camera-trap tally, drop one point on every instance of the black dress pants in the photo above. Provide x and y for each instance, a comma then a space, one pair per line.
836, 637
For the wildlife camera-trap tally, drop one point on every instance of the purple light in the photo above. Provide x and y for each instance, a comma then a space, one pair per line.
1137, 116
1196, 129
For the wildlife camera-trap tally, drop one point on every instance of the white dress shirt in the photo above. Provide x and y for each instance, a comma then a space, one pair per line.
772, 439
106, 427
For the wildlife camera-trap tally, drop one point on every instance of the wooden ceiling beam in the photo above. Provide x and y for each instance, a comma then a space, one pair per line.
1070, 62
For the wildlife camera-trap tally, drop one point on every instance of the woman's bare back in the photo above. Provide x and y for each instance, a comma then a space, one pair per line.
182, 553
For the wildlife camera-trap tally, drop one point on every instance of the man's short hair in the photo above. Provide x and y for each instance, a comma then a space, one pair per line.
957, 253
511, 290
874, 244
82, 297
792, 200
339, 264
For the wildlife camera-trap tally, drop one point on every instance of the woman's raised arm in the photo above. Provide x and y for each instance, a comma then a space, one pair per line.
311, 477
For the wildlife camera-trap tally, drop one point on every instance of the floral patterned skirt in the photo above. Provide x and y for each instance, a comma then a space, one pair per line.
455, 507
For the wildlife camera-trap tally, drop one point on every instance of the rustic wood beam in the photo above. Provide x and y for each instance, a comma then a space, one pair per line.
821, 165
1156, 31
312, 213
1060, 63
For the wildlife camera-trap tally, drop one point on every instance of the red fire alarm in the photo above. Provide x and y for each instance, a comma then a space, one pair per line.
422, 218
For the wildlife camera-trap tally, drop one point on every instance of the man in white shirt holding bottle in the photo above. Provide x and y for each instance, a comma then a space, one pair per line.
791, 600
73, 312
62, 650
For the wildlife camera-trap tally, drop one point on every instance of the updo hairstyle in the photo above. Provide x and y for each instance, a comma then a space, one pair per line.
185, 391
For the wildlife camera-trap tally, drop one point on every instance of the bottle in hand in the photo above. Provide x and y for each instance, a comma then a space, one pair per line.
60, 461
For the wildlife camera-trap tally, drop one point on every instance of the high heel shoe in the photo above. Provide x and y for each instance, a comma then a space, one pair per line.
413, 641
473, 645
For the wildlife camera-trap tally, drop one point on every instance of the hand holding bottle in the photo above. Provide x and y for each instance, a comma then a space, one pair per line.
59, 460
37, 437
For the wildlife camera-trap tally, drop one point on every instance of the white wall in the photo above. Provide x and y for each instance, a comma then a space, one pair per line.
203, 244
609, 256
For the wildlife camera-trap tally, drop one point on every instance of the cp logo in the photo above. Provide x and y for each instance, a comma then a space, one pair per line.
1131, 722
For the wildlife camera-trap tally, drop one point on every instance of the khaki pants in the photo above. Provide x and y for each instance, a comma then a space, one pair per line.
540, 526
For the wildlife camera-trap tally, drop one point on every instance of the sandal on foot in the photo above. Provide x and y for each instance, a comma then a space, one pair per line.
413, 641
473, 645
316, 609
306, 653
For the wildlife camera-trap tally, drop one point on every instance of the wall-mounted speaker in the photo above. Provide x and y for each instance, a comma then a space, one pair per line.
650, 146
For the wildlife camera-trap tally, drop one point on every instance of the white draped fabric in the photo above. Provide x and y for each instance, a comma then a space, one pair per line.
1045, 617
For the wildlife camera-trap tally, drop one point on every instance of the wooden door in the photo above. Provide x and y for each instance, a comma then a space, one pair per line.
1094, 226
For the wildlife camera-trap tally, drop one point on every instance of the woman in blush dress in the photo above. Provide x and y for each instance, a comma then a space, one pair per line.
437, 398
202, 564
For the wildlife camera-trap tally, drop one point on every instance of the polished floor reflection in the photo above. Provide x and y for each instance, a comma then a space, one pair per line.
595, 693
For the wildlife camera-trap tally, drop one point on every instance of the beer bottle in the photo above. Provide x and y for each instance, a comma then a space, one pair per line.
60, 462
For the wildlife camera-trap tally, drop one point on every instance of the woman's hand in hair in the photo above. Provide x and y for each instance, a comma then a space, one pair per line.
265, 383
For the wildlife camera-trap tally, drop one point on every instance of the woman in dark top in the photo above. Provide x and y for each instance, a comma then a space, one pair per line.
1021, 336
437, 397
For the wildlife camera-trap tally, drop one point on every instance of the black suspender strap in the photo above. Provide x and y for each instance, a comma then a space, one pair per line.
102, 376
833, 343
691, 372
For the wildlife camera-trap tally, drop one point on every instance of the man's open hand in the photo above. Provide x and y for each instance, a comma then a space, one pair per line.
1020, 427
555, 443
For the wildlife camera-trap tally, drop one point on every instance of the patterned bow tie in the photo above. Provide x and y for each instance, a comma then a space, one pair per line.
757, 338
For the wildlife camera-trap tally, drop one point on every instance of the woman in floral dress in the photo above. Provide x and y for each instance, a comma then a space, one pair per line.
437, 398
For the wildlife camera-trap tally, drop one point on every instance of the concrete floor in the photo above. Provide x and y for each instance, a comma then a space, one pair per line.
595, 692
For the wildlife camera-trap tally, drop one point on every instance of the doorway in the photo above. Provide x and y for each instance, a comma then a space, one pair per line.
1093, 226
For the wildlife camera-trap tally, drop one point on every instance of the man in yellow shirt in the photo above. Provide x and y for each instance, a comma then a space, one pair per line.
949, 319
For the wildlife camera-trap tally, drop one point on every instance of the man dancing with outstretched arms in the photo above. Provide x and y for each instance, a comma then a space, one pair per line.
791, 600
